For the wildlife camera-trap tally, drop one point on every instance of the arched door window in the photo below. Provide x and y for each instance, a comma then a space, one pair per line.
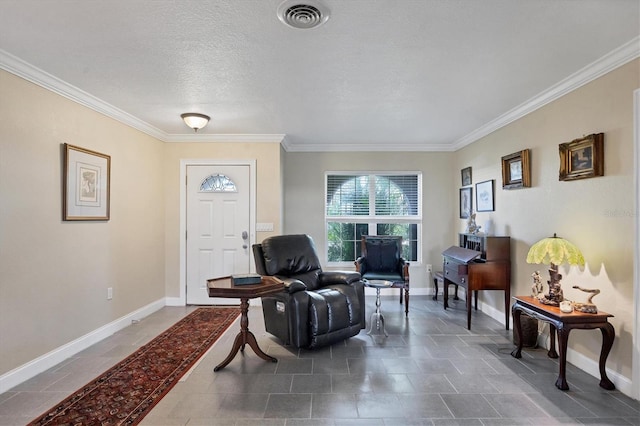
218, 183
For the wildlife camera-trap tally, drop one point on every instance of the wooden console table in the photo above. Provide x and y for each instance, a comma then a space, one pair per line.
562, 323
223, 287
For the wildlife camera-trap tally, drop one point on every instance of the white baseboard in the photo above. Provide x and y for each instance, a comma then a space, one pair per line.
493, 313
174, 301
43, 363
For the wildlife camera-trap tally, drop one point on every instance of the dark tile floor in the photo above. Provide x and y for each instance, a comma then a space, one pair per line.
431, 370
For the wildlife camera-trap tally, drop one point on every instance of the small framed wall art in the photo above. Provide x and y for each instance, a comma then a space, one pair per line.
466, 202
86, 184
466, 176
516, 170
484, 196
582, 158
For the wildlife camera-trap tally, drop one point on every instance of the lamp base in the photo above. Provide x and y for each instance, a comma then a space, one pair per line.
546, 300
555, 295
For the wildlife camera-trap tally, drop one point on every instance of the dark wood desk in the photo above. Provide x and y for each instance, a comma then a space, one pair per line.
468, 269
562, 323
223, 287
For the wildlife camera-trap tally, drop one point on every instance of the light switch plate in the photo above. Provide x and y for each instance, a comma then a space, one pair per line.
264, 227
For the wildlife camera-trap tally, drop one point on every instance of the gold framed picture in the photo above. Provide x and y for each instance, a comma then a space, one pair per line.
516, 170
582, 158
86, 184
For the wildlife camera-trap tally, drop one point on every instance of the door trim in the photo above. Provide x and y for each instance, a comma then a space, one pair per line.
635, 362
184, 163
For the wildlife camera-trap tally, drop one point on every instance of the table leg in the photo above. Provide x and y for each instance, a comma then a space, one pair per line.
377, 315
552, 342
469, 307
445, 293
507, 301
563, 338
243, 338
517, 326
608, 334
435, 285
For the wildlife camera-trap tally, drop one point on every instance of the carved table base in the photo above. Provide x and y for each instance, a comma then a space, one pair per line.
561, 324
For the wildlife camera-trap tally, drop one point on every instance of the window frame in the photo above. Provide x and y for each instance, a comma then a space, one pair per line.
372, 220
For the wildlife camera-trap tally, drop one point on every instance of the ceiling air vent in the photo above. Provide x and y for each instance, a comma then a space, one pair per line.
307, 15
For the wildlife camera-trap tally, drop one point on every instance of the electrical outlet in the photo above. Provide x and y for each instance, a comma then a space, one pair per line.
109, 293
429, 268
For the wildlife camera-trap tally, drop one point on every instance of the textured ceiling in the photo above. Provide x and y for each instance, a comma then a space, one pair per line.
380, 74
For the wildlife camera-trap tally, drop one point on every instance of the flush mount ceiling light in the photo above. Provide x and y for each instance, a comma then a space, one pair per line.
194, 120
303, 14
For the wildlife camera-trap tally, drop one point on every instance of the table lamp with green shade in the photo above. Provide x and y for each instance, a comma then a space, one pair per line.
554, 251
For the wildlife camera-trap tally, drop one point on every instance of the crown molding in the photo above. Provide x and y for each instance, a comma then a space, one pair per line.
612, 60
231, 137
358, 147
22, 69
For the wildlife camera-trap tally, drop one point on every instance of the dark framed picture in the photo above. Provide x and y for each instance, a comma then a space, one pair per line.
484, 196
86, 184
582, 158
466, 176
466, 202
516, 170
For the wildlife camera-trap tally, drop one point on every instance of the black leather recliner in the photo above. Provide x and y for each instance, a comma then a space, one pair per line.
316, 308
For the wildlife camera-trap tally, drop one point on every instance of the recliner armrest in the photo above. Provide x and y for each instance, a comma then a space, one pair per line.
292, 285
338, 277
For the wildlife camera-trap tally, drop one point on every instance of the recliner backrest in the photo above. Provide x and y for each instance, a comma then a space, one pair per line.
292, 256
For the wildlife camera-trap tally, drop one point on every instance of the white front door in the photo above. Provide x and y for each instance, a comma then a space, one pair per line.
218, 227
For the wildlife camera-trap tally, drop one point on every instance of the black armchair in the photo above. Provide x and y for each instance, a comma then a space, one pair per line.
382, 260
316, 308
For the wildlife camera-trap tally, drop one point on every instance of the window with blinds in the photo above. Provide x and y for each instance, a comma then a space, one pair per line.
371, 204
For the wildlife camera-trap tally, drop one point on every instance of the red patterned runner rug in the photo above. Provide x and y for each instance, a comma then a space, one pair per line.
128, 391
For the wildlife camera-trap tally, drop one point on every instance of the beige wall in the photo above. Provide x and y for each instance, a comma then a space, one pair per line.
268, 191
596, 214
54, 275
304, 203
